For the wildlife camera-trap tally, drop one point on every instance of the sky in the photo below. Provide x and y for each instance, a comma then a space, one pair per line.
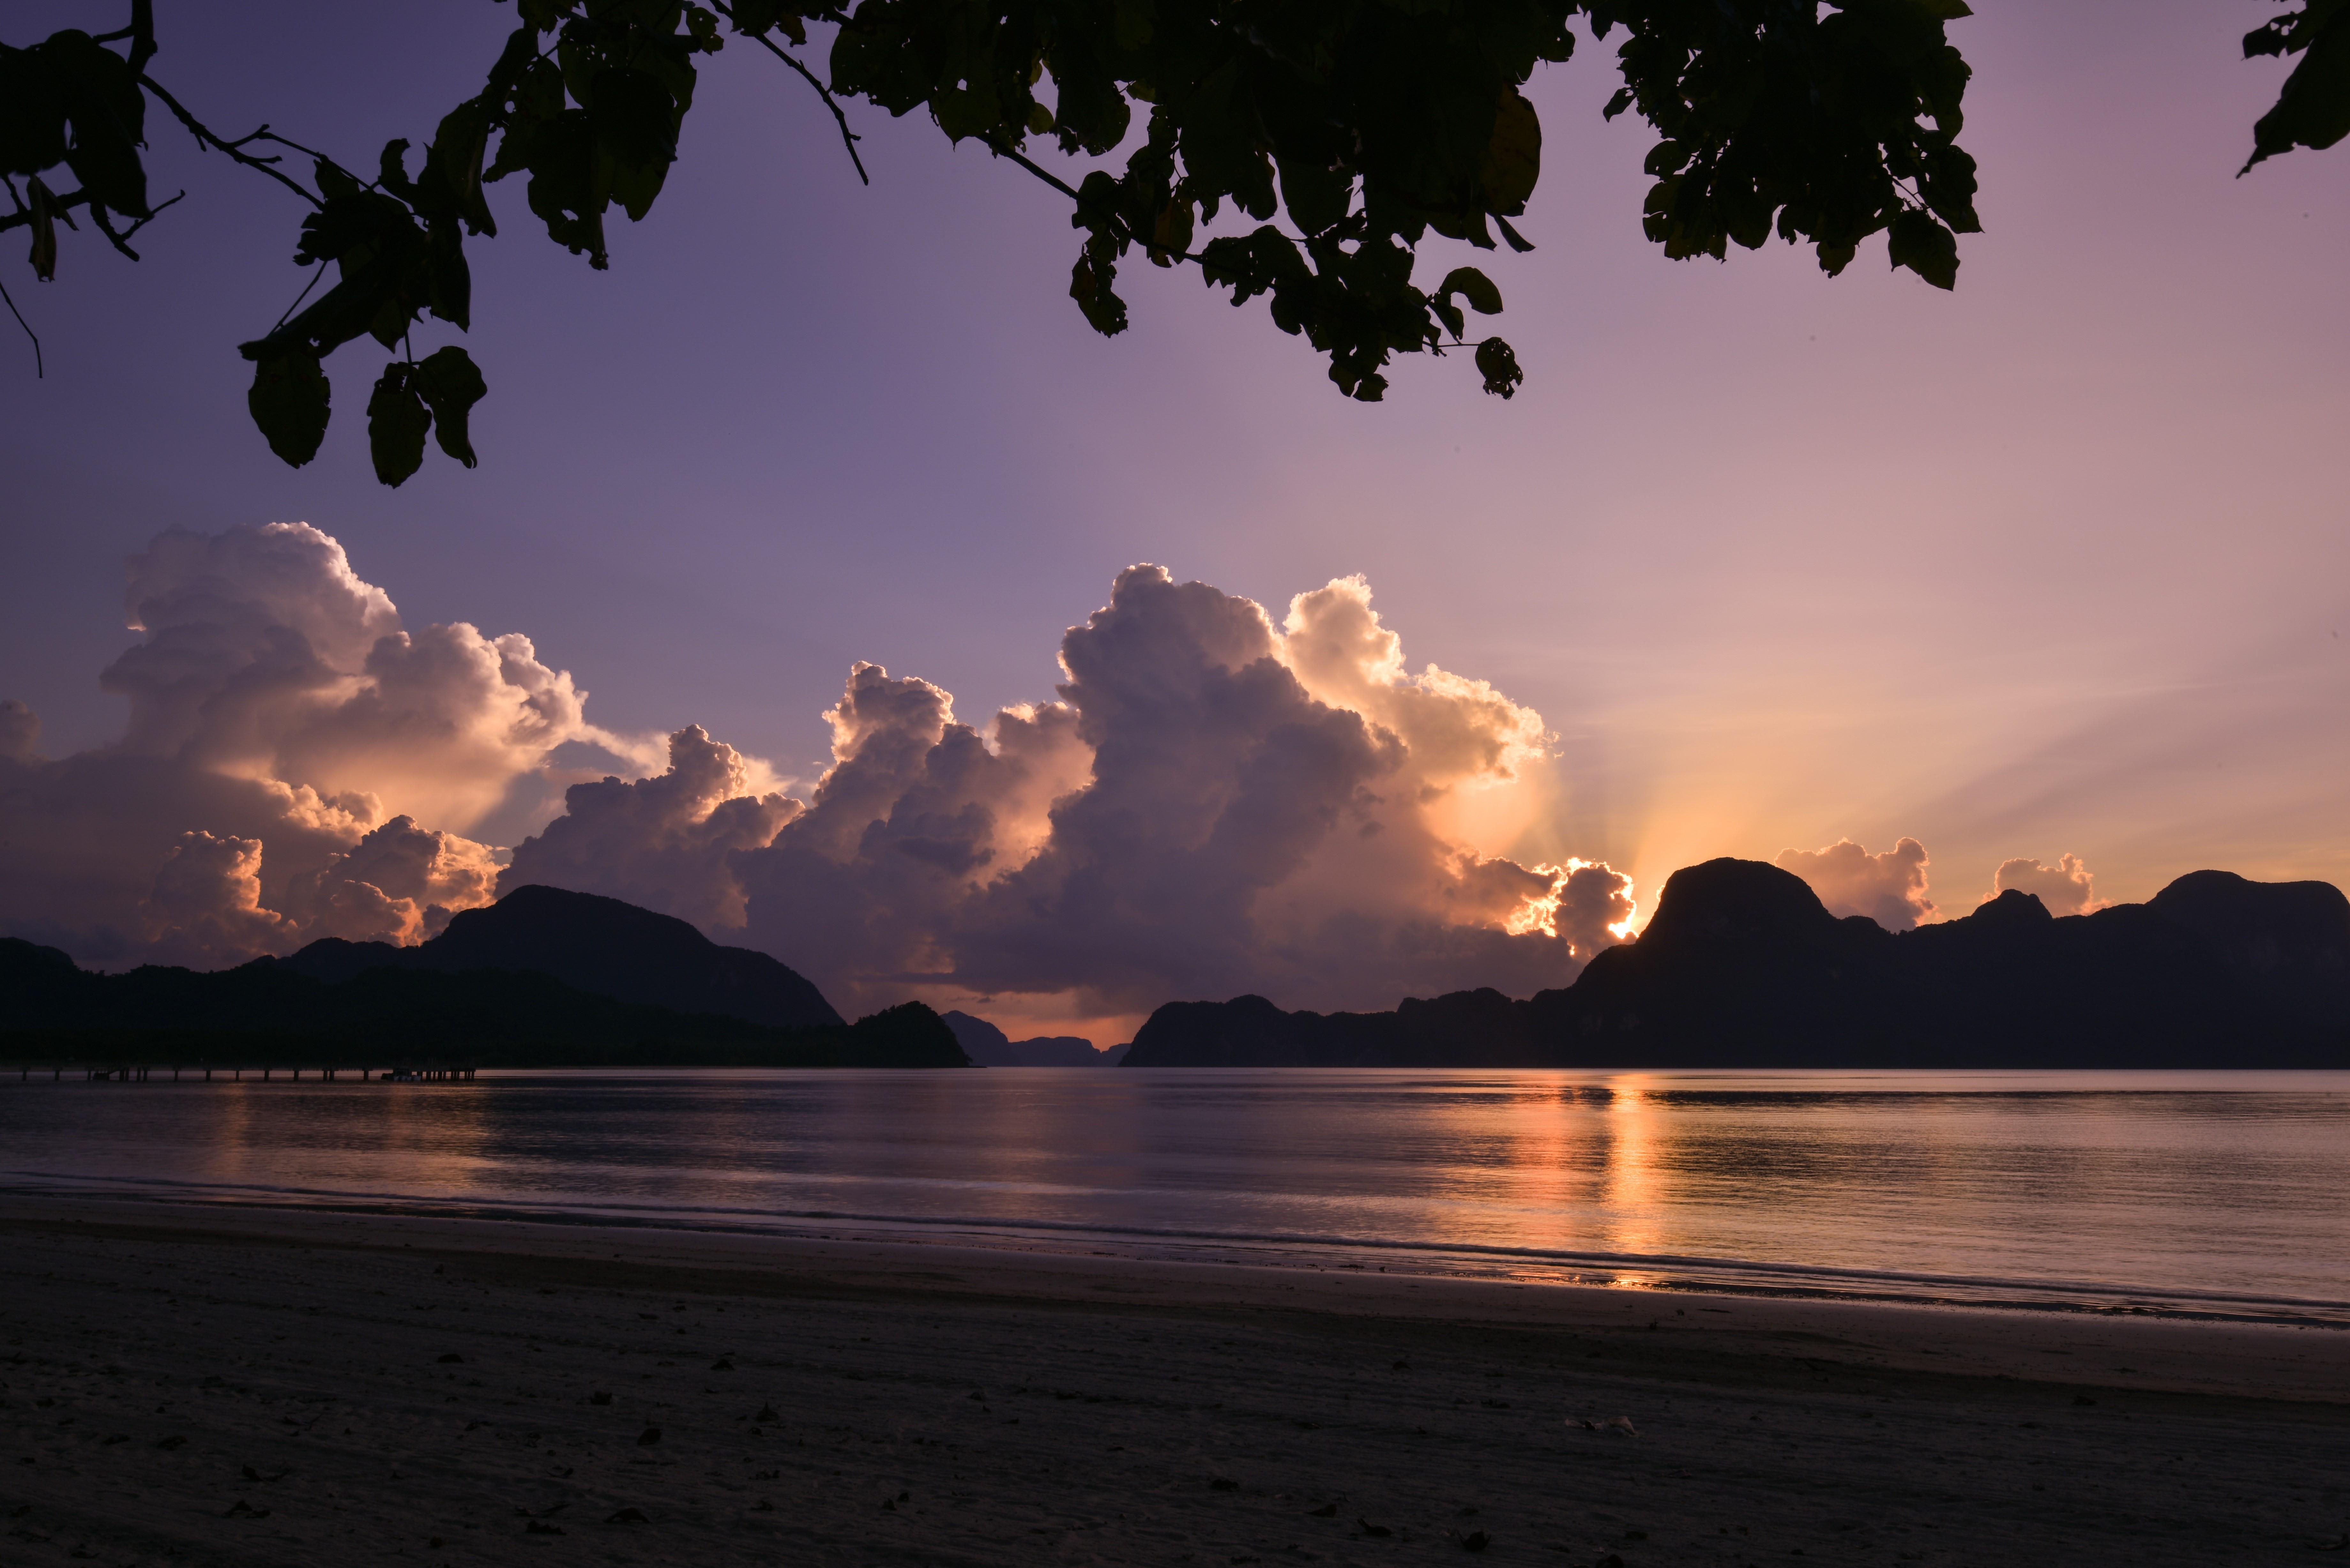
2052, 566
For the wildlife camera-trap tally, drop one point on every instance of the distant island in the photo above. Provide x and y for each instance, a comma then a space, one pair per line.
542, 977
989, 1046
1741, 966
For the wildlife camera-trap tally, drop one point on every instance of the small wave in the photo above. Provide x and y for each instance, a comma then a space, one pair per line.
1654, 1270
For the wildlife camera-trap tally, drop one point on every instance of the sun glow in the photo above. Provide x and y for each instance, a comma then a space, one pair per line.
1540, 911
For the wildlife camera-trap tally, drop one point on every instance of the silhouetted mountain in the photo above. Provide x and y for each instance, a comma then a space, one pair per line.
268, 1011
1743, 967
598, 945
990, 1047
2288, 942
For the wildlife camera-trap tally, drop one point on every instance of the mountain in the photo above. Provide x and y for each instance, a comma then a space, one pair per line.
990, 1047
1743, 967
598, 945
543, 978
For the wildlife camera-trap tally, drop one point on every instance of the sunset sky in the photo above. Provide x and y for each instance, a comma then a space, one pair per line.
2052, 566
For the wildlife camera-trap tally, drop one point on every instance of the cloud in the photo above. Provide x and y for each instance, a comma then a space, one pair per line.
1215, 804
205, 910
662, 842
2066, 888
280, 714
1211, 803
1889, 887
20, 730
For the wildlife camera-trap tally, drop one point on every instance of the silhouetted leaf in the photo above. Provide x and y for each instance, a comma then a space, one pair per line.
1923, 245
44, 259
290, 401
397, 422
1498, 363
1473, 286
451, 385
1513, 158
2313, 107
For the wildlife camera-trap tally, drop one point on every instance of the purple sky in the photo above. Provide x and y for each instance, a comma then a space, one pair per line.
2055, 564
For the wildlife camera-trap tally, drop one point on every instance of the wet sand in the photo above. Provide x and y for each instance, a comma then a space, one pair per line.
200, 1386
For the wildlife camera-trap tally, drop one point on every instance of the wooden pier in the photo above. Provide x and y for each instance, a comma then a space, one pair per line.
140, 1074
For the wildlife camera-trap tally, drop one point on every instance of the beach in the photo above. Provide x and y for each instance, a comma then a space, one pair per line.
197, 1384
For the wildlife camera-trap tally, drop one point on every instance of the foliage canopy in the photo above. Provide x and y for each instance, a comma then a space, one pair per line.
1299, 151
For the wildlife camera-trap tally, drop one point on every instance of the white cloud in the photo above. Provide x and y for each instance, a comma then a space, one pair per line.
1215, 805
1889, 888
280, 715
2066, 888
664, 842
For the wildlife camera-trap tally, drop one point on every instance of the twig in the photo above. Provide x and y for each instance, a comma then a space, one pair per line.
1003, 151
40, 371
153, 213
58, 204
266, 134
849, 137
118, 240
316, 274
206, 137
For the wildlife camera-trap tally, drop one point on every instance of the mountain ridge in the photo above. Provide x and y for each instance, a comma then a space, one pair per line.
544, 978
1741, 966
602, 945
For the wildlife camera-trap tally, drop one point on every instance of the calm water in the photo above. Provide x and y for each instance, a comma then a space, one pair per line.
2174, 1192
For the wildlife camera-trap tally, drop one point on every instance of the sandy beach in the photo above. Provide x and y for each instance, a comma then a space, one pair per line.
199, 1386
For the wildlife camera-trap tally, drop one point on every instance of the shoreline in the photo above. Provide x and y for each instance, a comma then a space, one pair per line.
393, 1380
1664, 1274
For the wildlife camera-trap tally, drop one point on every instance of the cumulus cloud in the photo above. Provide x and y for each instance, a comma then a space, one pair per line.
662, 842
1889, 888
1215, 804
1211, 803
205, 908
2066, 888
280, 715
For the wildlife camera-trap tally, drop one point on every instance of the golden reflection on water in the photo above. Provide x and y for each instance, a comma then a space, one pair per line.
2216, 1180
1633, 1181
442, 1134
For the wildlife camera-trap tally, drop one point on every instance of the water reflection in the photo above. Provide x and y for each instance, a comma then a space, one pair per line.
2209, 1184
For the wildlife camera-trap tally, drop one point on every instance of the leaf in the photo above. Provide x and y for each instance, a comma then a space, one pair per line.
44, 259
1316, 197
397, 422
451, 384
1089, 285
1917, 240
1512, 160
1498, 363
391, 170
290, 400
2313, 109
636, 132
98, 95
1474, 286
455, 159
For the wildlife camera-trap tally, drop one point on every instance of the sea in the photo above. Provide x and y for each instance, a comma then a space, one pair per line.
2214, 1195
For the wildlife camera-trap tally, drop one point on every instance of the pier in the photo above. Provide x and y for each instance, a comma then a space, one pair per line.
134, 1073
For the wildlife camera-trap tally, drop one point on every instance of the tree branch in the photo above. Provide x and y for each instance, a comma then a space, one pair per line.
206, 137
849, 137
1072, 192
40, 371
58, 204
